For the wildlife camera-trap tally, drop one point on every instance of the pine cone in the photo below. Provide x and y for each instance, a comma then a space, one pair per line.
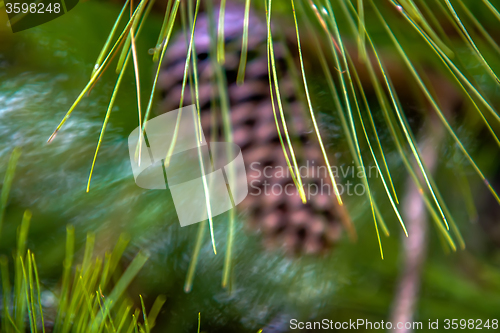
281, 217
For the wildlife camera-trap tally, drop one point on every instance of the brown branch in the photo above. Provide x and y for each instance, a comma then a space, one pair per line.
415, 245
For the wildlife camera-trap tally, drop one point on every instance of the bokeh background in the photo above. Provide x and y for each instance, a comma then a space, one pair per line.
42, 71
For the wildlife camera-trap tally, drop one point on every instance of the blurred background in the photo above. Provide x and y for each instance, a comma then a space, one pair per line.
421, 278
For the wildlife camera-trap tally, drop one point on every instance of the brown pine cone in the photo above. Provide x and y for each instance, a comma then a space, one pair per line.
273, 205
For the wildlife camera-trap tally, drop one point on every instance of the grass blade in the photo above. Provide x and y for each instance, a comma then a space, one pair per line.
7, 183
31, 284
67, 265
188, 285
26, 292
127, 277
6, 292
37, 280
155, 310
146, 324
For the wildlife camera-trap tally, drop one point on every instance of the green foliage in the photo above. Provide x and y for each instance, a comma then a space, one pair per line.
322, 17
93, 294
377, 131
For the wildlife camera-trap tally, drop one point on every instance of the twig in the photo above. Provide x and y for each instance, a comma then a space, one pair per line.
415, 245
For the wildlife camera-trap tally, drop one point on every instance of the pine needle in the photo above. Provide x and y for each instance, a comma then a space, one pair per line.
220, 33
106, 118
393, 204
95, 76
471, 42
492, 8
480, 27
461, 80
244, 46
163, 32
435, 106
399, 140
106, 46
361, 31
195, 70
406, 130
309, 104
168, 33
273, 80
124, 52
222, 88
344, 65
184, 80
